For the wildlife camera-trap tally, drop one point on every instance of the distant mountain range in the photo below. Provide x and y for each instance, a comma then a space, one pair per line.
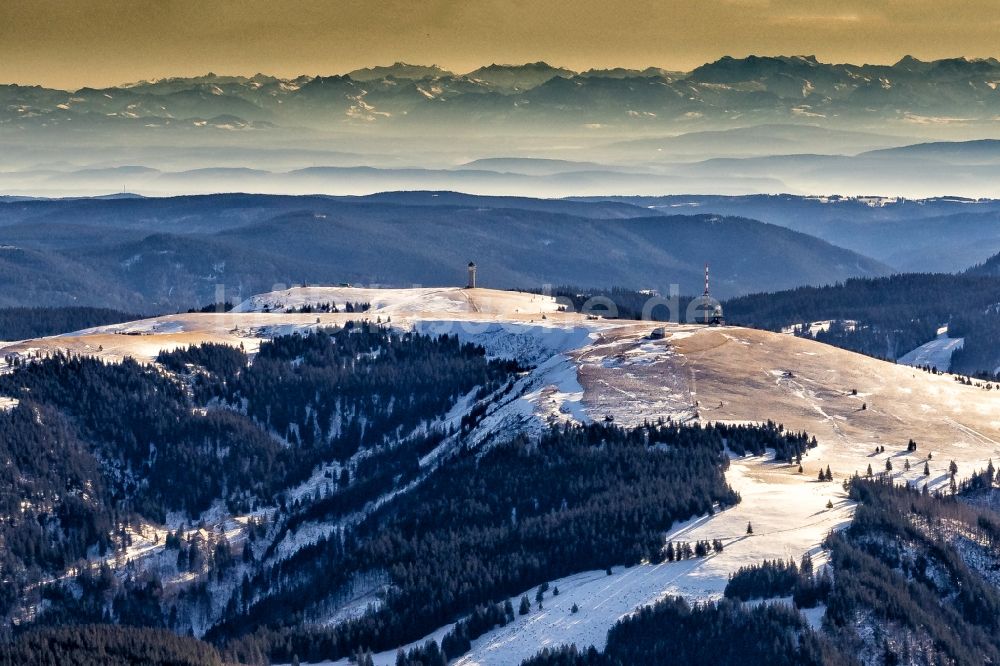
748, 90
168, 254
730, 163
755, 125
156, 254
946, 234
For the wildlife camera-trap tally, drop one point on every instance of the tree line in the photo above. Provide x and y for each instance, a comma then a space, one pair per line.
106, 645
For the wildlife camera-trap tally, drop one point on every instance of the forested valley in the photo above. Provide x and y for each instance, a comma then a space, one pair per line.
96, 450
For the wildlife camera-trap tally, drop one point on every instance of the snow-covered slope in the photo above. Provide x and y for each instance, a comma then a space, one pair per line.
414, 301
786, 524
457, 311
587, 369
935, 354
742, 375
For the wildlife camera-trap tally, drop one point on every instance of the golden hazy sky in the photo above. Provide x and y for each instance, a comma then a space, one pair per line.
71, 43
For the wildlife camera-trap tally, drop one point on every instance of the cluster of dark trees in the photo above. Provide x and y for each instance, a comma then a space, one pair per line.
683, 550
24, 323
349, 307
223, 306
483, 618
721, 634
763, 581
106, 645
968, 380
756, 440
981, 481
428, 654
489, 525
211, 357
777, 578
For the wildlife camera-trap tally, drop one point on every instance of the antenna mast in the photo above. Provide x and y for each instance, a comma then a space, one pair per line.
706, 281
